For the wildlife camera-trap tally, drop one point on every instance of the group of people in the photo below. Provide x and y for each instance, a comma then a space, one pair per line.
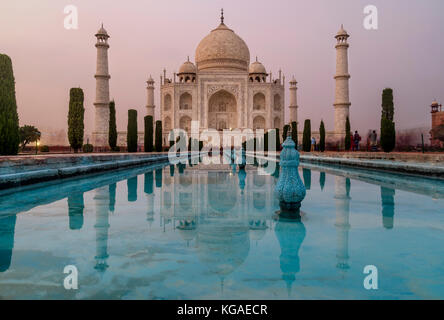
372, 142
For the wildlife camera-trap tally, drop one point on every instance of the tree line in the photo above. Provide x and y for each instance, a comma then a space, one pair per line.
12, 136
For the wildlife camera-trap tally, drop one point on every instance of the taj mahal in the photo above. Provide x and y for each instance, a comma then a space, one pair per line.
222, 90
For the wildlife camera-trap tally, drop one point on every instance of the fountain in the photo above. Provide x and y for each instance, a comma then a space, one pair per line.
289, 189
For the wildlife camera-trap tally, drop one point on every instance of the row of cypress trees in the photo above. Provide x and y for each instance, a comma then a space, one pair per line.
306, 137
132, 136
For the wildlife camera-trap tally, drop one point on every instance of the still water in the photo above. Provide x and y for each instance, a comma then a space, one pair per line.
210, 232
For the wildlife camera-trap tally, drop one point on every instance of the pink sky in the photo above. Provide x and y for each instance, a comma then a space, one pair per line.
405, 53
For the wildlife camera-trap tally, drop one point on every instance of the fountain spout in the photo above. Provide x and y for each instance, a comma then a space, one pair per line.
289, 189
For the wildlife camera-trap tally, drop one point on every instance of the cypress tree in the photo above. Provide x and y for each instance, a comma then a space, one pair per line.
266, 141
278, 140
75, 118
306, 173
306, 139
131, 135
347, 142
112, 134
158, 140
388, 132
148, 141
322, 137
322, 180
294, 132
132, 189
9, 121
285, 133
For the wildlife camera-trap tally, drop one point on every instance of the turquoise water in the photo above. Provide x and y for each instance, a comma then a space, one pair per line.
210, 232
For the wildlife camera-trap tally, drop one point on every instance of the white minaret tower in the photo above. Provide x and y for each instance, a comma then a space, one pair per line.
293, 101
342, 204
101, 126
150, 97
342, 101
101, 200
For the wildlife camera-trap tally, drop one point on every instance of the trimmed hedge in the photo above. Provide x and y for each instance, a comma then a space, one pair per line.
388, 131
131, 135
76, 115
306, 139
112, 134
9, 121
322, 137
158, 141
294, 133
148, 136
347, 142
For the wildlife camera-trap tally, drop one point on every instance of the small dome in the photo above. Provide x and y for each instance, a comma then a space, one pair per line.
102, 32
435, 103
222, 49
257, 67
342, 31
187, 67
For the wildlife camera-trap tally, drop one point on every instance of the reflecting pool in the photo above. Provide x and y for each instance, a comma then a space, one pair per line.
210, 232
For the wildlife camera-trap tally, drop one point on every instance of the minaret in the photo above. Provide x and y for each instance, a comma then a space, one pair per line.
342, 203
150, 97
101, 200
342, 101
293, 101
101, 127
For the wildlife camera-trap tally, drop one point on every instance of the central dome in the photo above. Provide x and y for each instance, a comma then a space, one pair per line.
222, 49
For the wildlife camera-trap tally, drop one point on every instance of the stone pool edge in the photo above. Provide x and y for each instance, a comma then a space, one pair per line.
419, 169
16, 179
422, 169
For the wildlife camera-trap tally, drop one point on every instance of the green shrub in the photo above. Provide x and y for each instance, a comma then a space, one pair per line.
294, 133
278, 140
131, 135
285, 133
149, 132
322, 137
88, 148
75, 118
388, 131
112, 134
347, 141
306, 138
44, 149
388, 135
9, 121
158, 141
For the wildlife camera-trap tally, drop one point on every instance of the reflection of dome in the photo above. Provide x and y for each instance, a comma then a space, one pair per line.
222, 49
257, 234
223, 245
222, 191
257, 68
187, 230
187, 67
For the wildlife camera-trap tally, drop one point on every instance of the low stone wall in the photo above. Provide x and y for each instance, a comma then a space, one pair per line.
398, 165
429, 165
23, 170
415, 157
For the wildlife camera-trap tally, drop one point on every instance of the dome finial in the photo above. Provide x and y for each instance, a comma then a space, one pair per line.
222, 16
188, 58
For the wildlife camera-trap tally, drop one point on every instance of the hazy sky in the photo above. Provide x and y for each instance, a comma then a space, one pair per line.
406, 53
